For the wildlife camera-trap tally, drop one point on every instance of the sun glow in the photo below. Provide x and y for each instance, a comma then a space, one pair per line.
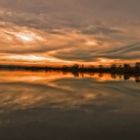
27, 57
25, 37
105, 61
33, 58
91, 43
28, 37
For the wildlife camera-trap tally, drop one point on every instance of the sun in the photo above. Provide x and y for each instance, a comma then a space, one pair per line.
26, 37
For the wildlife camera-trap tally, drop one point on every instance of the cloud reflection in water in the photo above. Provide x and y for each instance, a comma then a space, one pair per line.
25, 90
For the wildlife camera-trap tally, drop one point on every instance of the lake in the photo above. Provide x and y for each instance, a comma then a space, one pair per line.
68, 106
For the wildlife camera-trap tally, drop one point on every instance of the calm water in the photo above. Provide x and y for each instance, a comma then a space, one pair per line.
64, 106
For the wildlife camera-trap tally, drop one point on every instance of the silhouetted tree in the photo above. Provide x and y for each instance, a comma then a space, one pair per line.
113, 67
75, 66
126, 66
137, 66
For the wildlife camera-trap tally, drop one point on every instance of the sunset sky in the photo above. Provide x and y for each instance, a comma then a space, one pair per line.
69, 31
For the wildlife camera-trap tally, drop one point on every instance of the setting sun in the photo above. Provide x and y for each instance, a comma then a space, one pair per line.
28, 37
25, 37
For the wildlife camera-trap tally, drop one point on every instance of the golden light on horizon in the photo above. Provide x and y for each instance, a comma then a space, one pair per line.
106, 61
30, 57
91, 43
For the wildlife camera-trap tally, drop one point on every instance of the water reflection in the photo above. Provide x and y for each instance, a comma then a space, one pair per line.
21, 90
53, 75
108, 76
100, 100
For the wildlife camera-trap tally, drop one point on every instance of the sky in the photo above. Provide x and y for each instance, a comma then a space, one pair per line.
69, 31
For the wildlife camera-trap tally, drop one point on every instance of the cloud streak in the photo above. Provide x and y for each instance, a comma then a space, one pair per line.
68, 31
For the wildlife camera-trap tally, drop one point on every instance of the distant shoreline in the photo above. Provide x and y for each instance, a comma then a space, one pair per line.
113, 69
125, 70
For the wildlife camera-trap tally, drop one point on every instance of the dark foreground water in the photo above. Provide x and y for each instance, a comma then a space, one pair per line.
60, 106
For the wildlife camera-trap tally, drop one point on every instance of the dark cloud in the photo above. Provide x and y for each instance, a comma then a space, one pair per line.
75, 12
